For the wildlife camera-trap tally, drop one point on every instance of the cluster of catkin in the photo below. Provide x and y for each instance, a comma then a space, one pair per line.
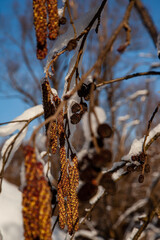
36, 200
69, 175
45, 14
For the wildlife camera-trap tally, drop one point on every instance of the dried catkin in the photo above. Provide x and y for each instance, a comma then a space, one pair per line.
48, 106
53, 24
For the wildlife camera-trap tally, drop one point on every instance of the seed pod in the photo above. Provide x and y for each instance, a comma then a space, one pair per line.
139, 168
62, 21
141, 178
76, 107
53, 24
87, 97
84, 106
104, 130
75, 118
87, 191
134, 158
108, 183
147, 168
88, 174
99, 142
72, 44
131, 168
83, 91
101, 159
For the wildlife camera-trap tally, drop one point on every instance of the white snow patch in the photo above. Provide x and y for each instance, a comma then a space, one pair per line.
136, 147
123, 118
8, 145
26, 115
97, 196
117, 174
137, 94
11, 212
85, 123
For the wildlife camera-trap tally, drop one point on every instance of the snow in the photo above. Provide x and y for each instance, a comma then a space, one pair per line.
137, 94
88, 234
123, 118
133, 208
11, 216
8, 145
116, 175
12, 127
85, 123
26, 115
136, 147
97, 196
132, 234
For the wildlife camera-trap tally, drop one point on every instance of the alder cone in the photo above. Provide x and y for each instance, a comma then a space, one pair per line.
62, 21
147, 168
72, 44
99, 142
101, 159
108, 183
84, 106
88, 174
141, 179
76, 107
104, 130
83, 91
87, 191
75, 118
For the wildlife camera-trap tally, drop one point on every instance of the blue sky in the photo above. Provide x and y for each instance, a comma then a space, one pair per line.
11, 107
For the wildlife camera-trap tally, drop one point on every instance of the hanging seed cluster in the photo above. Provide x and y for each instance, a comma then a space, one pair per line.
139, 164
69, 175
36, 200
40, 10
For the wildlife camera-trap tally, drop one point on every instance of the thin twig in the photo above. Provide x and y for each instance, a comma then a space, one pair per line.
71, 20
128, 77
148, 127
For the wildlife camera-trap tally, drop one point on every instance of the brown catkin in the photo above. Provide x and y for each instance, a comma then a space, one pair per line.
53, 137
40, 23
49, 108
53, 24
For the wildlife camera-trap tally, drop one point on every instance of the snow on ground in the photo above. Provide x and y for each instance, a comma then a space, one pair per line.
10, 212
11, 226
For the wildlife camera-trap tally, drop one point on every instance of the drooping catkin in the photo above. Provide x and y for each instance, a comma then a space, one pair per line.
61, 206
48, 106
49, 110
40, 23
36, 200
53, 24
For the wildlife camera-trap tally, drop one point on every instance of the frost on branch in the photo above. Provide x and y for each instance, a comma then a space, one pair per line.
136, 147
12, 144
